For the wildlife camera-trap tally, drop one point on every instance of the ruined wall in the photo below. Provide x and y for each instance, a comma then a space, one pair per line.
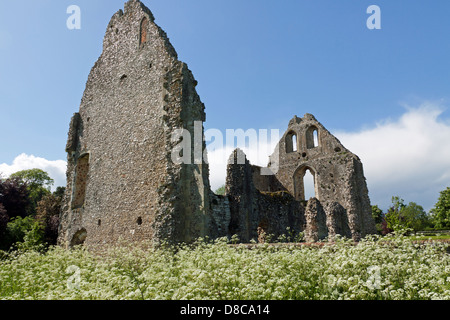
137, 93
253, 212
316, 221
272, 203
338, 173
123, 182
220, 216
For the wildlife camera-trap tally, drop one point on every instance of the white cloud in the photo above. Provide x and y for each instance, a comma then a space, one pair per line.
56, 169
257, 153
217, 160
408, 156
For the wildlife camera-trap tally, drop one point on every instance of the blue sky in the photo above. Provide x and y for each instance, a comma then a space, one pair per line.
258, 63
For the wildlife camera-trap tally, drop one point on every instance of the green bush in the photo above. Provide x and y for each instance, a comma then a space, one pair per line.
220, 191
24, 233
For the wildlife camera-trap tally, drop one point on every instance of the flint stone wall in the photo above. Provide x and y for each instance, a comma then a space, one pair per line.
136, 94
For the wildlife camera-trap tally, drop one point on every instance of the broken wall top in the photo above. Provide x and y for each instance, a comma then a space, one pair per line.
307, 139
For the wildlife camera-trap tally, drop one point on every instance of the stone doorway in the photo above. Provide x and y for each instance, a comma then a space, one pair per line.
305, 184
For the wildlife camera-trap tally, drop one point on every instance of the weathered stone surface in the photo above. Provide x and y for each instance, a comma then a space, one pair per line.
72, 141
338, 173
123, 184
254, 212
137, 93
316, 221
339, 183
337, 221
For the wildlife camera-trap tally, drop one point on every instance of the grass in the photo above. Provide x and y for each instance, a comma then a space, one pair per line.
432, 238
374, 269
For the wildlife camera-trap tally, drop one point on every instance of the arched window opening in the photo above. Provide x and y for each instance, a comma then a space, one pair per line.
294, 143
312, 138
305, 184
309, 185
316, 138
291, 142
144, 31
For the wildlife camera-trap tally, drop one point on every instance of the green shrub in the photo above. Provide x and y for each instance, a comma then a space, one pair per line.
220, 191
24, 233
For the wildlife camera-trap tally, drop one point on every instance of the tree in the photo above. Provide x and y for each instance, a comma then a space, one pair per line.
2, 210
59, 192
393, 215
401, 216
377, 214
38, 182
26, 231
22, 195
47, 213
378, 217
4, 218
415, 217
15, 197
34, 178
441, 211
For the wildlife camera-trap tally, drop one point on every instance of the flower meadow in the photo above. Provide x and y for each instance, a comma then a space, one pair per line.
375, 268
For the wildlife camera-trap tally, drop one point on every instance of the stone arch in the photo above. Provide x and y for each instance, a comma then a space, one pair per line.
299, 182
291, 142
143, 35
312, 137
79, 238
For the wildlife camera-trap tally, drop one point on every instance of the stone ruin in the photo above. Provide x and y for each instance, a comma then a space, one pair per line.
123, 184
